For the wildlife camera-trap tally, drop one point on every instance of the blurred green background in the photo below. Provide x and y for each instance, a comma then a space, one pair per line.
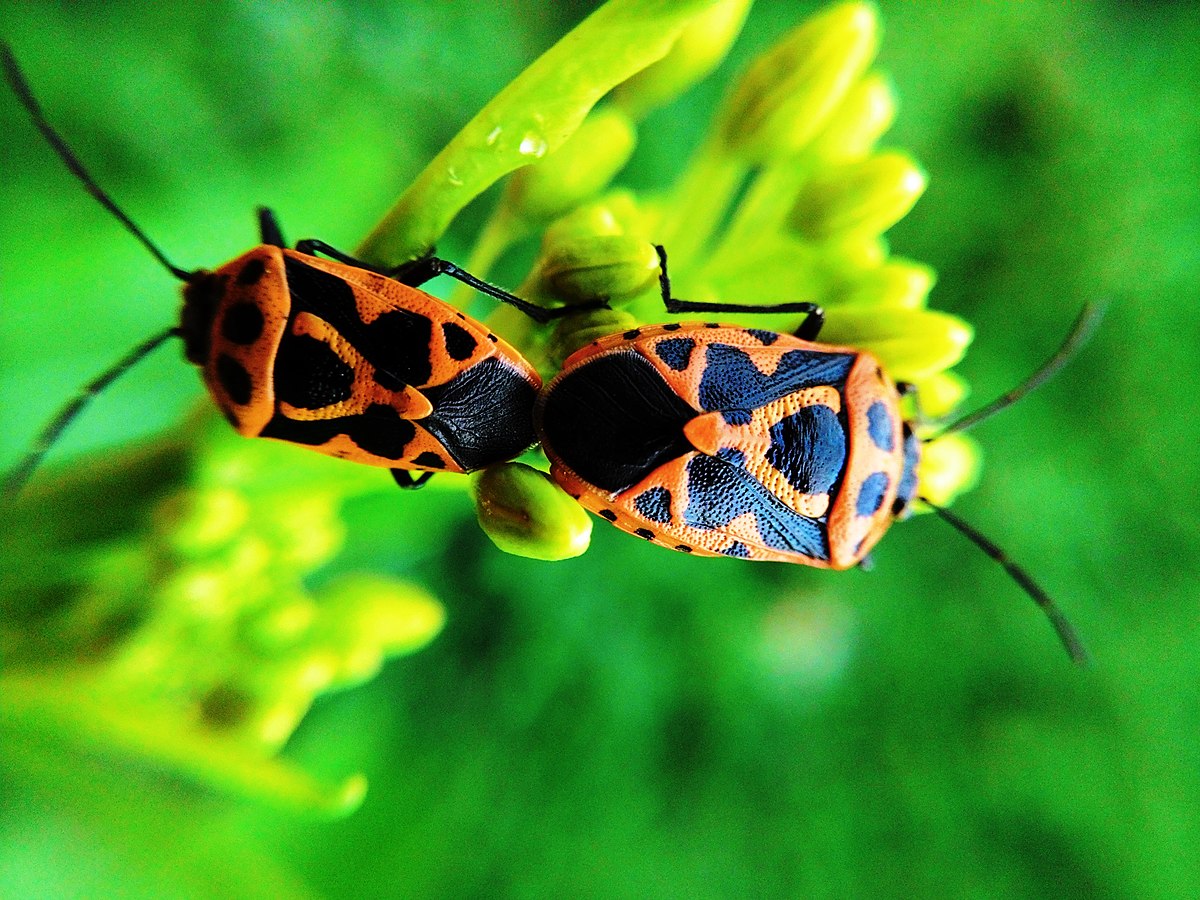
636, 723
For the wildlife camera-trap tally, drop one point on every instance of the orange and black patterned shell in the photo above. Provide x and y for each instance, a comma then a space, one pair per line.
722, 440
359, 366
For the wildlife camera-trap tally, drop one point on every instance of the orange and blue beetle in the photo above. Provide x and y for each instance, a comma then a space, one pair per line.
720, 440
332, 353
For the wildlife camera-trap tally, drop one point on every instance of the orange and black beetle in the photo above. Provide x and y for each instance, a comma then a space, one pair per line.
357, 364
331, 353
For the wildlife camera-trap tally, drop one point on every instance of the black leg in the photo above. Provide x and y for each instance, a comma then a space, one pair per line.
421, 270
808, 330
312, 247
268, 227
418, 271
404, 477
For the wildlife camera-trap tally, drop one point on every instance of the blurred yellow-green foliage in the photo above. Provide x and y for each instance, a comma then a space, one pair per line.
632, 722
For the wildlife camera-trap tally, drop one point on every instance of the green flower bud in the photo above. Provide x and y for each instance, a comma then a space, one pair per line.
614, 214
600, 267
848, 255
572, 332
367, 618
940, 394
576, 171
788, 93
198, 520
911, 343
898, 283
304, 529
867, 111
274, 721
700, 48
281, 625
949, 466
868, 197
525, 513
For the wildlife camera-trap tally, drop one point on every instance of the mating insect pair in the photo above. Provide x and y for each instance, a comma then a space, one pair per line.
705, 438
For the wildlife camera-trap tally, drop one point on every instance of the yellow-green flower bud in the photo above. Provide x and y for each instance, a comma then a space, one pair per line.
600, 267
864, 197
282, 624
572, 332
899, 283
700, 48
615, 213
273, 723
525, 513
305, 530
867, 111
949, 466
911, 343
576, 171
788, 93
940, 394
197, 520
394, 617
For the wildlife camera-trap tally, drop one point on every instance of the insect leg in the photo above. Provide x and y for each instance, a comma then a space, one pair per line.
405, 480
808, 330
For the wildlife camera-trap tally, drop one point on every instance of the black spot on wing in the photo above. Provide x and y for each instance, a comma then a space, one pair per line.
609, 514
879, 425
429, 460
718, 493
644, 533
309, 375
381, 431
459, 342
482, 415
654, 504
251, 271
234, 379
397, 343
675, 352
809, 448
614, 420
242, 323
378, 430
732, 382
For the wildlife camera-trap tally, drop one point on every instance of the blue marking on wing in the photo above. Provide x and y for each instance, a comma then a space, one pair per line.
675, 352
718, 493
732, 382
809, 448
908, 479
870, 495
654, 504
879, 426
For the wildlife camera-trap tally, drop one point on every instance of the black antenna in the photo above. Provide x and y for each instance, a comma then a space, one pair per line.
17, 478
1063, 628
16, 80
1080, 332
